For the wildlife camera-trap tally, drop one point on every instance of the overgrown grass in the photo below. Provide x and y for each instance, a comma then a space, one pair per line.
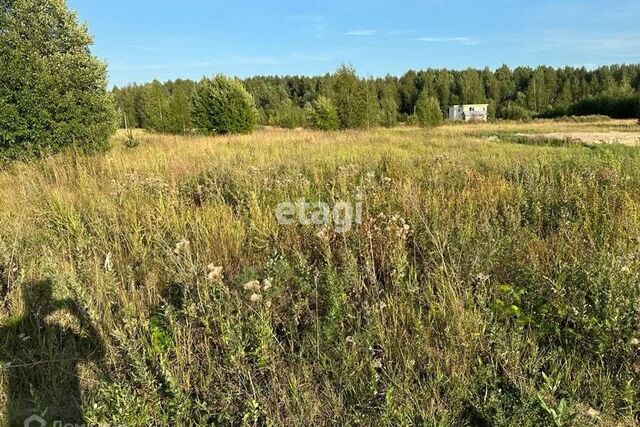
489, 283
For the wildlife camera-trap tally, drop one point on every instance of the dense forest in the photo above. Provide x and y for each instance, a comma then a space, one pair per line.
289, 101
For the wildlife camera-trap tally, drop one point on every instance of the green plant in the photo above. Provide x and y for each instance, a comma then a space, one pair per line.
222, 105
52, 90
130, 141
428, 111
562, 415
513, 111
322, 115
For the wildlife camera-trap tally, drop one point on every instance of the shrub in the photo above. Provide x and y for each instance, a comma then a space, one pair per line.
323, 115
621, 107
617, 107
428, 111
52, 90
288, 115
222, 105
515, 112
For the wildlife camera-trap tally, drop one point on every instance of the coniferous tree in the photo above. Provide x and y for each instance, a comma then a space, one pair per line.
52, 89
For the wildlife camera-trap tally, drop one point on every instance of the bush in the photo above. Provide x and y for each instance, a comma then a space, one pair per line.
323, 115
617, 107
288, 115
515, 112
222, 105
623, 107
52, 90
428, 111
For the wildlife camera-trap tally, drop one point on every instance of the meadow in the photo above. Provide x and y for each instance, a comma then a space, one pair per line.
492, 281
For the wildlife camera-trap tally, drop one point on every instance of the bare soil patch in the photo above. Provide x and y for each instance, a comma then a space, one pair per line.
588, 138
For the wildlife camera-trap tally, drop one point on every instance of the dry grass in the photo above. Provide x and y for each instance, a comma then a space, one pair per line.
514, 287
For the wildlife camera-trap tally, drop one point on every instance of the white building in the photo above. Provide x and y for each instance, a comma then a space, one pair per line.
469, 112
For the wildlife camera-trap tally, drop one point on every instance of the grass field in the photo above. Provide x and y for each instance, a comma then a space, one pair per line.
492, 281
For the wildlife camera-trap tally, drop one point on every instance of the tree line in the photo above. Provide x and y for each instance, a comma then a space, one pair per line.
299, 101
53, 92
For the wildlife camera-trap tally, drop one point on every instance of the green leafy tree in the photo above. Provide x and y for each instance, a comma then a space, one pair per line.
428, 111
222, 105
350, 97
388, 110
288, 115
323, 115
52, 89
373, 104
155, 110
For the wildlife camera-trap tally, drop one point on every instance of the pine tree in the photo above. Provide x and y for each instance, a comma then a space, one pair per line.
52, 90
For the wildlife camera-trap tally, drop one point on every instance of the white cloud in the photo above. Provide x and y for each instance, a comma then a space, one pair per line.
316, 24
467, 41
362, 33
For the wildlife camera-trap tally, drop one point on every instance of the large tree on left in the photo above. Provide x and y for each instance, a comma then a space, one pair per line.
52, 89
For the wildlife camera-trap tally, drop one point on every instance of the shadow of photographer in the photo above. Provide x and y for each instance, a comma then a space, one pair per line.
41, 358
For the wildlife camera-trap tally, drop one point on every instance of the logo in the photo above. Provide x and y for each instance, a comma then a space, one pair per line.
35, 421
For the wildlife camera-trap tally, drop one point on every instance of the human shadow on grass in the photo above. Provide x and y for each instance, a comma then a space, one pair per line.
41, 358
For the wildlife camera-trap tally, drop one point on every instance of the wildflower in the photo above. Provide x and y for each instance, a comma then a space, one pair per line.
323, 234
108, 263
253, 285
350, 340
482, 278
268, 304
266, 284
635, 342
215, 273
593, 413
256, 298
181, 246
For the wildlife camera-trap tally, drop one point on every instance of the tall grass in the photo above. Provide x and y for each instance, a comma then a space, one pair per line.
489, 283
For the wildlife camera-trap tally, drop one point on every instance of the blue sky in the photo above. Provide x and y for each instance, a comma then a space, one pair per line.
165, 39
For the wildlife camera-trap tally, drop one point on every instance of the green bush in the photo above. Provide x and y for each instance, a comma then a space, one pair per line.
515, 112
428, 111
288, 115
222, 105
617, 107
323, 115
52, 90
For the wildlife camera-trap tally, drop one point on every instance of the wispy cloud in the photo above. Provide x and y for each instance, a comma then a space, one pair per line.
360, 33
467, 41
316, 24
235, 60
620, 44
